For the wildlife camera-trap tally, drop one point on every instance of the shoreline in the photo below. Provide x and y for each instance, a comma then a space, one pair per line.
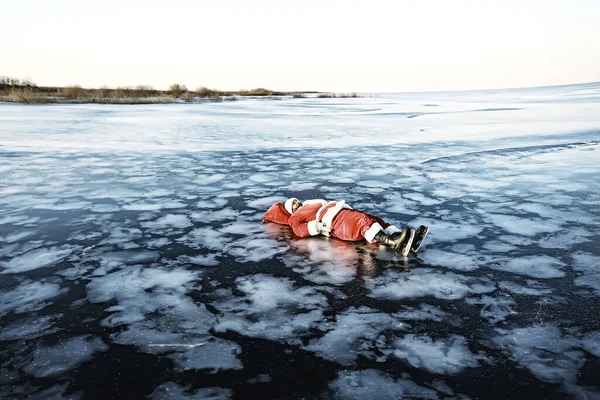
26, 92
40, 98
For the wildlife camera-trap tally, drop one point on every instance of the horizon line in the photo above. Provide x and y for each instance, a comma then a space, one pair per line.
325, 91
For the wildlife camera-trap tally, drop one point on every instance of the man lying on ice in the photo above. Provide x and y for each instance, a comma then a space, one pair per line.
338, 219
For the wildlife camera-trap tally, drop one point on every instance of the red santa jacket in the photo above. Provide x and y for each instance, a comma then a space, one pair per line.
334, 218
316, 217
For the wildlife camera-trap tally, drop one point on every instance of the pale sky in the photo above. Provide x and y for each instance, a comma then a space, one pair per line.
341, 46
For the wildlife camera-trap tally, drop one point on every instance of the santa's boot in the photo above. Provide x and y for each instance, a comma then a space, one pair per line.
400, 241
406, 238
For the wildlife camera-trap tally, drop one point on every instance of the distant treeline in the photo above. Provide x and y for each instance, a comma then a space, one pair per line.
26, 91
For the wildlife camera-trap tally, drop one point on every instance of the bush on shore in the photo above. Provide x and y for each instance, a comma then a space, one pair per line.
206, 92
177, 89
26, 96
188, 97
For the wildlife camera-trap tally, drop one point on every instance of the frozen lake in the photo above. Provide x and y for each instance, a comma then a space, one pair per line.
188, 295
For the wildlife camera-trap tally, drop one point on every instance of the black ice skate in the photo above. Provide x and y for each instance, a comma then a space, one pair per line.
419, 237
404, 240
400, 241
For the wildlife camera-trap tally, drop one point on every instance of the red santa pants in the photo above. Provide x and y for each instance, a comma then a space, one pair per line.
356, 225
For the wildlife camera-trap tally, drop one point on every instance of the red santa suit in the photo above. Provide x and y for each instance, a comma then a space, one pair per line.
334, 218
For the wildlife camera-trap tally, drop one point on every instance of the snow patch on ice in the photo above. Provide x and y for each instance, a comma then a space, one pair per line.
266, 202
444, 356
422, 282
270, 308
209, 179
215, 355
545, 267
446, 231
460, 262
494, 309
169, 221
589, 267
374, 384
39, 258
28, 328
533, 288
544, 350
128, 283
50, 361
423, 313
591, 343
523, 226
28, 297
353, 333
174, 391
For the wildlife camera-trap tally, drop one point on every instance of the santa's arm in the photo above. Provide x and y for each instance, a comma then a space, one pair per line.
303, 227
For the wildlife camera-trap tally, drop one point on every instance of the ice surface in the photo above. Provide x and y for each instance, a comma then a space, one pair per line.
591, 343
27, 328
423, 282
424, 312
352, 334
374, 384
39, 258
533, 288
546, 351
173, 391
494, 309
29, 297
535, 266
589, 267
134, 261
326, 261
213, 355
168, 221
461, 262
270, 308
57, 359
444, 356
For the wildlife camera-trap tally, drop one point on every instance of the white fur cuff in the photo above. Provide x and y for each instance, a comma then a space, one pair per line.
372, 231
313, 228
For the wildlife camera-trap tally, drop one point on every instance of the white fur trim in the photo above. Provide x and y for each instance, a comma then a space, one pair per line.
313, 228
314, 201
372, 231
288, 204
391, 230
331, 213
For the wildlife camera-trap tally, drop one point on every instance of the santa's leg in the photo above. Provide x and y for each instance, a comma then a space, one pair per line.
356, 225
